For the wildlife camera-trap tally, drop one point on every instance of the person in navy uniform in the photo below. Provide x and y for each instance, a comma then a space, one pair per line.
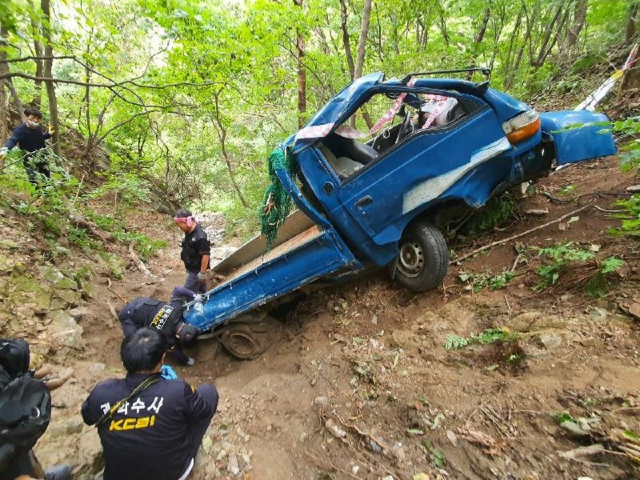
150, 428
165, 317
30, 137
196, 250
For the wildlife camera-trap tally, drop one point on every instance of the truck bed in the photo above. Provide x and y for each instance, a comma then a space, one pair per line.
237, 270
255, 248
303, 253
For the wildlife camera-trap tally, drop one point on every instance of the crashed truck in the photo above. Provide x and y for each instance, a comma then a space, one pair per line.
389, 195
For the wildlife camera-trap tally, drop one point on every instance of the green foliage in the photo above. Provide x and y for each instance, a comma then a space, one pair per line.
599, 285
204, 136
79, 236
127, 189
455, 342
437, 456
629, 129
564, 417
497, 212
567, 190
478, 281
501, 280
630, 224
115, 265
488, 336
611, 264
558, 256
145, 246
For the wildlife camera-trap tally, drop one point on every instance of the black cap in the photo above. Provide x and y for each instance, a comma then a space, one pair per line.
186, 333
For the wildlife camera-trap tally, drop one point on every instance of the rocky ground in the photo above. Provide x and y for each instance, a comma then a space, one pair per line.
360, 383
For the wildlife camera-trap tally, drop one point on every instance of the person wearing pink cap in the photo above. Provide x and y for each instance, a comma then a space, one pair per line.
196, 250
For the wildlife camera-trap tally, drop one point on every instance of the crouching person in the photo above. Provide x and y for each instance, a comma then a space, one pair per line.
150, 428
162, 316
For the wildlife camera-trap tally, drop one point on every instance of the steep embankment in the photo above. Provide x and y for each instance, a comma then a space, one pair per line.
360, 383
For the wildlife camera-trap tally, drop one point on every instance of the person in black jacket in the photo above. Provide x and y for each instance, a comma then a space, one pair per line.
196, 250
30, 137
165, 317
19, 431
150, 428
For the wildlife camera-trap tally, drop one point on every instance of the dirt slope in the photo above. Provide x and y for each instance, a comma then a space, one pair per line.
360, 384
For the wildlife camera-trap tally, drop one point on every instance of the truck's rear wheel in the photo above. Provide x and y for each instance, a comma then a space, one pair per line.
423, 258
248, 341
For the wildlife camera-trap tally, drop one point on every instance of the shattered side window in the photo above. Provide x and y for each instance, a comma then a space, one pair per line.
382, 122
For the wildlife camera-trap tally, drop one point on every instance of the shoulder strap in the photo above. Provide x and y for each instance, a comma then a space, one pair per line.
155, 378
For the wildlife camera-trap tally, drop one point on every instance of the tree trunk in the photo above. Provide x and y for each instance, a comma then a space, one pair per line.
442, 23
4, 121
39, 51
573, 32
37, 99
222, 136
379, 36
302, 76
477, 40
513, 69
514, 35
16, 104
362, 42
545, 49
632, 22
631, 78
344, 15
47, 70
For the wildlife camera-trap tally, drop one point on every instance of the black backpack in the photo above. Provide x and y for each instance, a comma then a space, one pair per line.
25, 403
14, 357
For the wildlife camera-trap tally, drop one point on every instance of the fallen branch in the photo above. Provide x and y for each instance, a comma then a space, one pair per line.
364, 434
513, 237
139, 263
489, 445
113, 311
78, 191
117, 294
608, 211
583, 451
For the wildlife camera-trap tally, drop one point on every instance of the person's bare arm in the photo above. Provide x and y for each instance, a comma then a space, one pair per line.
204, 264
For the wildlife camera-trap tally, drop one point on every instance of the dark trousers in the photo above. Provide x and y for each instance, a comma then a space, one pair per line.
178, 355
37, 170
20, 464
197, 431
192, 283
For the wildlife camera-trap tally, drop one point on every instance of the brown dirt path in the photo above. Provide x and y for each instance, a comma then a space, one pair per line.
360, 384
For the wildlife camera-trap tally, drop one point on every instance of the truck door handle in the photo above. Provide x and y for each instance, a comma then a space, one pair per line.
366, 200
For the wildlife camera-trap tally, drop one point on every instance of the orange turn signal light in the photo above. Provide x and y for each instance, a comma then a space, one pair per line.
525, 132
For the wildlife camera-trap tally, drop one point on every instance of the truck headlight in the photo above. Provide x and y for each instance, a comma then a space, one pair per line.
522, 126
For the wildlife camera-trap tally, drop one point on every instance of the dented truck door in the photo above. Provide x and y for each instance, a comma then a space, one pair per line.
412, 174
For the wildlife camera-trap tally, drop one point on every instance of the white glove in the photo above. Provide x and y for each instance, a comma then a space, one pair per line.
197, 298
201, 276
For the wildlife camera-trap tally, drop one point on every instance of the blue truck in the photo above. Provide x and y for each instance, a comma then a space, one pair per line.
385, 172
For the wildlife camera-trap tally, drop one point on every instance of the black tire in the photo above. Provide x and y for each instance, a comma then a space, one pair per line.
247, 341
423, 258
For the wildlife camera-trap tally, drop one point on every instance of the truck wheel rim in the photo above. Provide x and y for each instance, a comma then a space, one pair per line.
241, 345
411, 259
